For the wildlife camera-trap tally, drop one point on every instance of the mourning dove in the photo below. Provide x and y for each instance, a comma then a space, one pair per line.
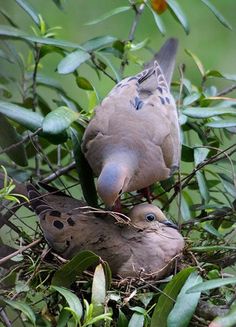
148, 244
133, 139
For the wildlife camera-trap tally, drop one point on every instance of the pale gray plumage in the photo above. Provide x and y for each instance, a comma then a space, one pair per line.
148, 245
133, 139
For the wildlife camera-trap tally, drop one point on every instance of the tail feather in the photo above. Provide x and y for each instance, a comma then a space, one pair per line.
166, 58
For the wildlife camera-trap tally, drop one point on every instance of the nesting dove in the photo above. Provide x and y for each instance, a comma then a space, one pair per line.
147, 246
133, 139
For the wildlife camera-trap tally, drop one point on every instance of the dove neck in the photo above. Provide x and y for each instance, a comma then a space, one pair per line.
124, 161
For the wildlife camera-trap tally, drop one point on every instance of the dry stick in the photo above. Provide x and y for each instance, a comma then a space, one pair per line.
25, 139
58, 173
4, 318
226, 91
102, 70
41, 153
22, 249
188, 178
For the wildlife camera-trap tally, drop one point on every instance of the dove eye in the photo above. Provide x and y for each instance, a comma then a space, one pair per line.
150, 217
120, 192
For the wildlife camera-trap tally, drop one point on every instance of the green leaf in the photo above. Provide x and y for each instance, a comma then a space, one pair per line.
218, 15
110, 64
185, 304
166, 300
7, 17
216, 73
229, 185
72, 61
98, 291
29, 10
84, 170
24, 308
228, 320
122, 320
109, 14
202, 184
197, 61
177, 12
72, 300
202, 112
67, 274
137, 320
58, 4
200, 155
211, 229
211, 248
59, 120
159, 23
211, 284
11, 32
187, 153
49, 82
222, 123
186, 202
191, 98
9, 137
83, 83
98, 42
25, 117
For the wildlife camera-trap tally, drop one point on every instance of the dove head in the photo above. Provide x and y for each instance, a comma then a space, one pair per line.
112, 182
149, 216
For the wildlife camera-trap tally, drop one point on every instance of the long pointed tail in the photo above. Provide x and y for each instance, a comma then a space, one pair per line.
166, 58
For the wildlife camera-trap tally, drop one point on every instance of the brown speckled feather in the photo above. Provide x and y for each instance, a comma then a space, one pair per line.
149, 244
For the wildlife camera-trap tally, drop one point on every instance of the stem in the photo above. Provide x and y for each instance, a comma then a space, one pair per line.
34, 85
20, 250
138, 12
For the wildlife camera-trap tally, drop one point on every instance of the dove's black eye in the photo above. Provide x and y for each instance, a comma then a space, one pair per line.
120, 192
150, 217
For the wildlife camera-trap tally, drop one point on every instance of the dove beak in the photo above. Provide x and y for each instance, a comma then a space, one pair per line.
170, 224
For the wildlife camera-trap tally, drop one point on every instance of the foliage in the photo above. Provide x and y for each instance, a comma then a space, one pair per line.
40, 134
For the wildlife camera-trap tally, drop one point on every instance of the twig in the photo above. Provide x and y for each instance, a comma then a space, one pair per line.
34, 85
26, 138
20, 250
226, 91
4, 318
102, 70
185, 181
138, 12
58, 173
41, 153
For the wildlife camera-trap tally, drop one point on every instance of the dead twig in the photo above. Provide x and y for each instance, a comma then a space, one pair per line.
20, 250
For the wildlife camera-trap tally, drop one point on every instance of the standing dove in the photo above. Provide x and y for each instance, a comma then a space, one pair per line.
133, 139
147, 245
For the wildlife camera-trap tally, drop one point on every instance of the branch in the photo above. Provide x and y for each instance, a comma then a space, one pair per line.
227, 90
26, 138
58, 173
185, 181
102, 70
138, 12
20, 250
